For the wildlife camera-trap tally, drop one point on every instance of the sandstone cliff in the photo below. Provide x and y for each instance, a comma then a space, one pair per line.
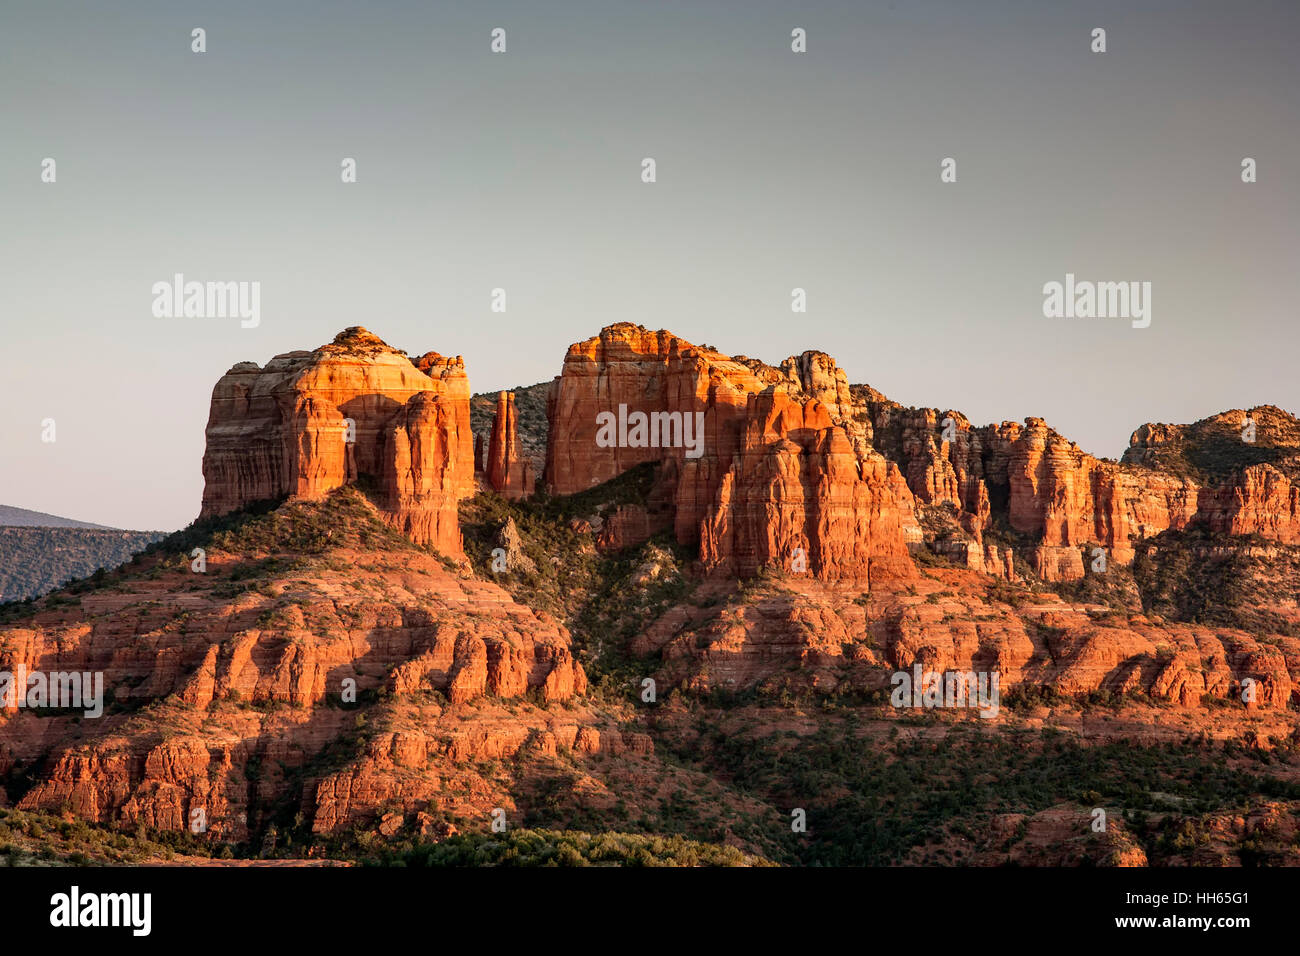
798, 496
826, 538
755, 496
744, 488
1064, 501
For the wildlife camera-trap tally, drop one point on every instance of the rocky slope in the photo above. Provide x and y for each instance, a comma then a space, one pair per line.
299, 613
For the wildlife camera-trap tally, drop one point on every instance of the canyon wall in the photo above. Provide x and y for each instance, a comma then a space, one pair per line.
798, 496
1065, 501
835, 472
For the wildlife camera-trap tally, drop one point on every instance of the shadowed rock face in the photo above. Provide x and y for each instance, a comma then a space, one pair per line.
311, 422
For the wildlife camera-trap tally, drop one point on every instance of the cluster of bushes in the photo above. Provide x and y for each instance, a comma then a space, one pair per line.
28, 838
593, 593
1214, 579
869, 801
568, 848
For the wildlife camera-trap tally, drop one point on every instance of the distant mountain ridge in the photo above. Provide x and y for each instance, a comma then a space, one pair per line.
11, 517
39, 551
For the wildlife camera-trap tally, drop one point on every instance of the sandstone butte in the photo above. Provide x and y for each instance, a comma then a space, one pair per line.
833, 487
787, 477
311, 422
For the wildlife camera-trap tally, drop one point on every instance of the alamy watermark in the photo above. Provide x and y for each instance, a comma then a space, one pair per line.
652, 430
1075, 299
75, 909
179, 299
928, 689
58, 690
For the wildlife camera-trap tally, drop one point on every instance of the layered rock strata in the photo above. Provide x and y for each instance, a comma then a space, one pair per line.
312, 422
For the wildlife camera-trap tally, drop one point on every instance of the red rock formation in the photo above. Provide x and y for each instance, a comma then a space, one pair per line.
311, 422
627, 369
451, 372
1258, 500
410, 628
404, 770
819, 636
627, 366
798, 497
1064, 498
422, 473
1071, 501
507, 472
628, 526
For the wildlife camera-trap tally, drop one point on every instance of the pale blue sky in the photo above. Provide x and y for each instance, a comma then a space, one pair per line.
776, 170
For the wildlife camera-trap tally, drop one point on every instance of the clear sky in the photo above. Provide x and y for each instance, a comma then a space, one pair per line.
522, 171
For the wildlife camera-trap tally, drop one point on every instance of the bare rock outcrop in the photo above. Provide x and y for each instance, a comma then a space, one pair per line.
799, 497
508, 472
741, 486
312, 422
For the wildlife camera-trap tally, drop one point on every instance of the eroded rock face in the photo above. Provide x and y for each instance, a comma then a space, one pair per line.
401, 770
1046, 487
819, 636
748, 493
1258, 500
628, 367
799, 471
311, 422
1069, 499
507, 471
799, 497
423, 471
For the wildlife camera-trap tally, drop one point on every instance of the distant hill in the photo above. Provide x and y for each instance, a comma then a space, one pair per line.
35, 561
11, 517
39, 552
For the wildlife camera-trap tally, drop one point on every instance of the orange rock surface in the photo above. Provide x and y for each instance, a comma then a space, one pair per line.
301, 642
755, 492
506, 470
311, 422
827, 538
799, 497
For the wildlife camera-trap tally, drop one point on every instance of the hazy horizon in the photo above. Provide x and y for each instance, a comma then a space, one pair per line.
521, 171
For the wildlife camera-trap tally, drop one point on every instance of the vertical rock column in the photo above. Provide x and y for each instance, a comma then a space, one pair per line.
507, 472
